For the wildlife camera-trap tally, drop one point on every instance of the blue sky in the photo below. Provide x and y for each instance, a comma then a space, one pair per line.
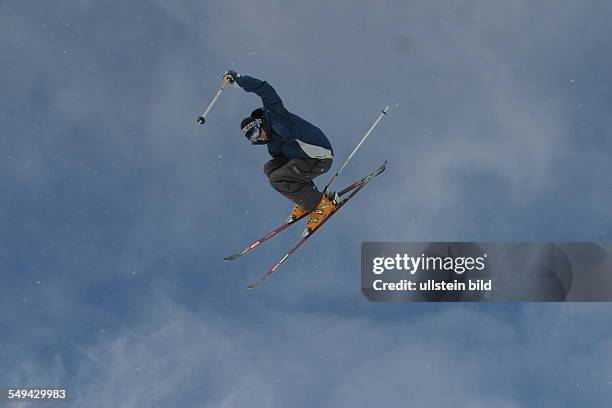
117, 209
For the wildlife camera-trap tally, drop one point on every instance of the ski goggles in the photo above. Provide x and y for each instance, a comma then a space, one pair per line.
252, 130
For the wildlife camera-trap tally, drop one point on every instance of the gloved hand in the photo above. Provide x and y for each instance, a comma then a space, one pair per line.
230, 77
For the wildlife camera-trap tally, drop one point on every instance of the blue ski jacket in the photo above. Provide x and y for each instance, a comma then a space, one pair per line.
290, 135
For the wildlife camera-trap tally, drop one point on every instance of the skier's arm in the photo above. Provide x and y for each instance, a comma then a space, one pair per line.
264, 90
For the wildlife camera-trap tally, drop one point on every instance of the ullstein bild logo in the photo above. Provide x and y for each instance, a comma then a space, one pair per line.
477, 271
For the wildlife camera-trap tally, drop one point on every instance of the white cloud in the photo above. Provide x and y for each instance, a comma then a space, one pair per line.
451, 357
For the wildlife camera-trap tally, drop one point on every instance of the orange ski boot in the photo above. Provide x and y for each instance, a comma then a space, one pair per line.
297, 212
326, 207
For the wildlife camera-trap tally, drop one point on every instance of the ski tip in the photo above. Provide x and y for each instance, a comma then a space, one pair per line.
382, 167
232, 257
385, 110
253, 286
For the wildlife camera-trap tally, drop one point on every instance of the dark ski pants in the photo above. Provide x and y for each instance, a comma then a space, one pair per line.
293, 179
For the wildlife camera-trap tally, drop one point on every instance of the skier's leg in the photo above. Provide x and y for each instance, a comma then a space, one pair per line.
294, 181
321, 167
274, 164
324, 207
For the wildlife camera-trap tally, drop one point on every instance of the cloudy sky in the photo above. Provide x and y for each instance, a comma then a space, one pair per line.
117, 209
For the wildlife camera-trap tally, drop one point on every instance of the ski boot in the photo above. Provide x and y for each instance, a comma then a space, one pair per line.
297, 212
324, 209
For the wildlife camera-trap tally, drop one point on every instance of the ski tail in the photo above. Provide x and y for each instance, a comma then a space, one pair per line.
263, 239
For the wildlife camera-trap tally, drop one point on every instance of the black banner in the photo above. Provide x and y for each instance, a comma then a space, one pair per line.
481, 271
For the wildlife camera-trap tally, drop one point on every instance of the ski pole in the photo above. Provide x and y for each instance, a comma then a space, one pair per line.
202, 118
382, 113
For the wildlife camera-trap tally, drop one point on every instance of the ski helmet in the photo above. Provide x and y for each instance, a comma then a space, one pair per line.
251, 128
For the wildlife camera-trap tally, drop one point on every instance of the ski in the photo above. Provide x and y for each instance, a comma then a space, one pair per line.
354, 188
263, 239
282, 227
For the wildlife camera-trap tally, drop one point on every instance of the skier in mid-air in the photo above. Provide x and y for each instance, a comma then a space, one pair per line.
300, 151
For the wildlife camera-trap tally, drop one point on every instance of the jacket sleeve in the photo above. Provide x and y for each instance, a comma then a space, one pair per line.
264, 90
